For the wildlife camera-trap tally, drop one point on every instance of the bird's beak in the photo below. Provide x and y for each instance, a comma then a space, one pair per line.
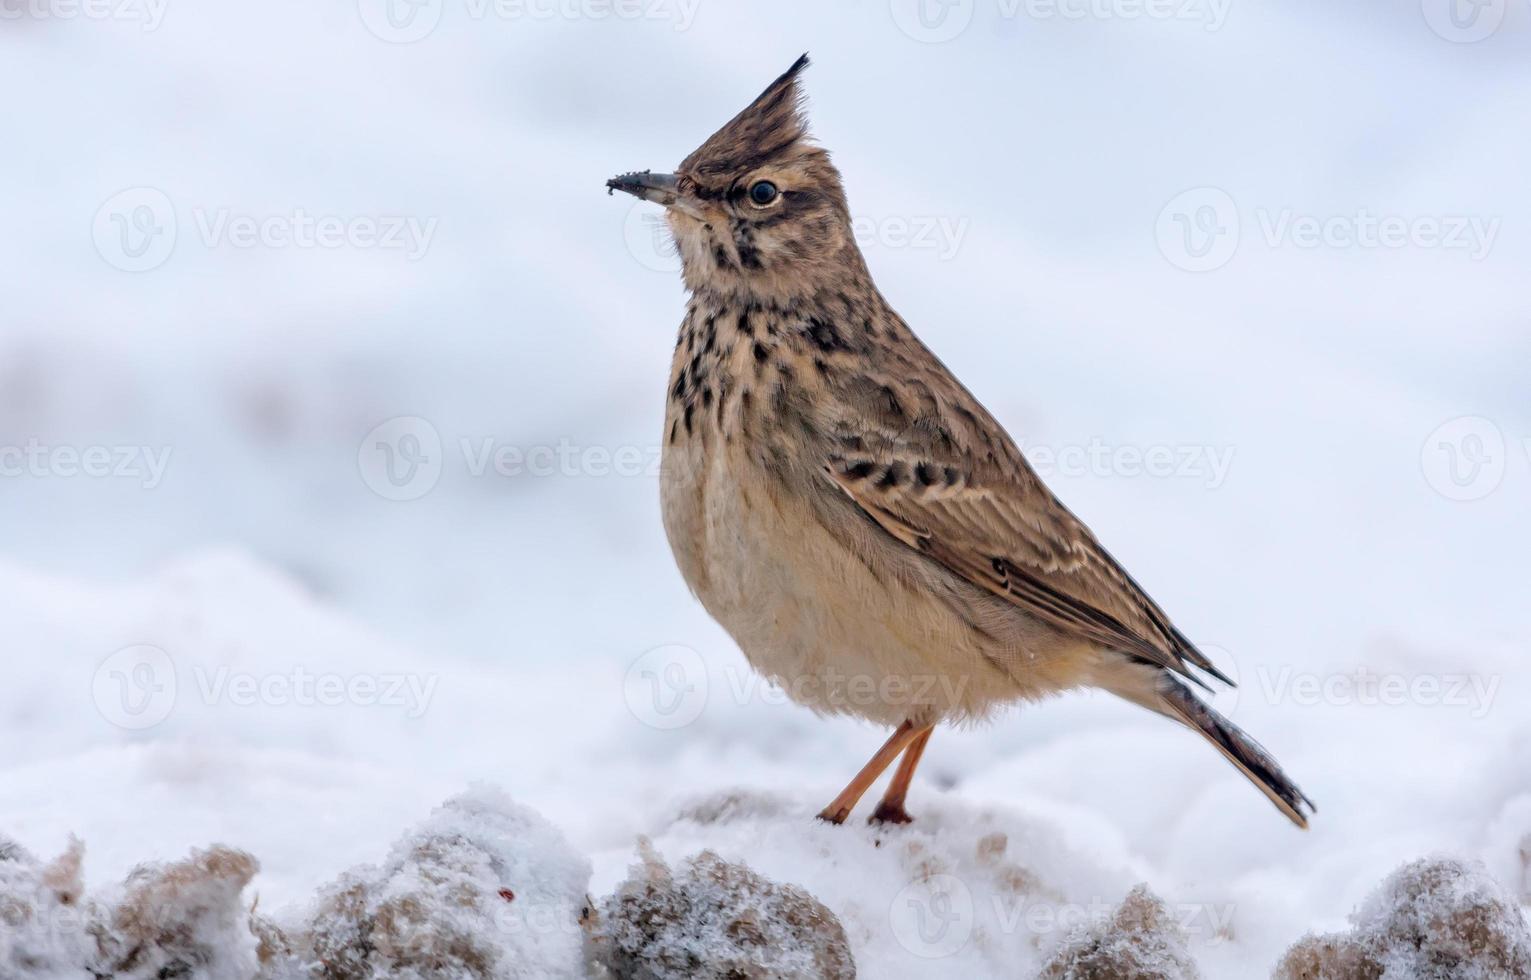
659, 188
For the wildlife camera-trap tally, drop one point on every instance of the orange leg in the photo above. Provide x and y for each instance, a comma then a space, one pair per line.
842, 805
891, 809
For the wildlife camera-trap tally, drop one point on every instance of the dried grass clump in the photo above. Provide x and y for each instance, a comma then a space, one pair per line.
1141, 941
716, 919
483, 889
183, 919
1435, 919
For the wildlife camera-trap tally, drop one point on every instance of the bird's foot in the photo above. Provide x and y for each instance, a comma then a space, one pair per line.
833, 814
890, 813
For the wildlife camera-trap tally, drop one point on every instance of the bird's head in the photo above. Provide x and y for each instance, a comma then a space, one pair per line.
757, 211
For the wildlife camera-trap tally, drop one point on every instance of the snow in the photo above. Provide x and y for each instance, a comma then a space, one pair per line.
1025, 860
484, 888
1432, 918
716, 920
246, 645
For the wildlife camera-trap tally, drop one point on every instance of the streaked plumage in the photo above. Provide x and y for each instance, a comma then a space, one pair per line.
846, 509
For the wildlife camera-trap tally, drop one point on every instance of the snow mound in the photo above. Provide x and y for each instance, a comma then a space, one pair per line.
716, 919
1434, 918
485, 888
1141, 941
43, 919
184, 919
962, 891
181, 919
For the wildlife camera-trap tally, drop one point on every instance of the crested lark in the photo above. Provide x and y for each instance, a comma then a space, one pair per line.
847, 510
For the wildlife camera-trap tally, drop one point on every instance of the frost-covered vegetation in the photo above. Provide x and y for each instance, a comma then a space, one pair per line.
485, 889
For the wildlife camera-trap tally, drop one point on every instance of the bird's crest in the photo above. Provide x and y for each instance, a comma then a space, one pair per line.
775, 121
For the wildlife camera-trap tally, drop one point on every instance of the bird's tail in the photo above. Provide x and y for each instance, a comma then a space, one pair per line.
1164, 694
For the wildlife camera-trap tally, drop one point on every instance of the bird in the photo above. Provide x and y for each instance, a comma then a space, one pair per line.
864, 529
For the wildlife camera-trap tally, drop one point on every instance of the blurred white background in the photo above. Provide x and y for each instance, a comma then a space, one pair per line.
1247, 280
1010, 181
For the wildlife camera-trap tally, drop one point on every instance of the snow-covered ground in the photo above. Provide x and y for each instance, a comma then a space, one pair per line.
234, 708
1315, 455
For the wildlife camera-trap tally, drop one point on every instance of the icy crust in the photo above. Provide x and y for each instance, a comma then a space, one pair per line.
716, 919
1434, 919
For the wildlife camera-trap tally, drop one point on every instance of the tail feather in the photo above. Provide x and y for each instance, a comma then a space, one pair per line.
1155, 689
1241, 750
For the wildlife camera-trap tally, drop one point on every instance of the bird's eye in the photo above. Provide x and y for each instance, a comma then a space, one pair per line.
763, 192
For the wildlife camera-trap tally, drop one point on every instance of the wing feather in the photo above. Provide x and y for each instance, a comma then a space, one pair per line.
956, 488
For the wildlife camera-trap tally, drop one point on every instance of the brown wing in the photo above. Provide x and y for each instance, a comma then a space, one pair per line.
951, 484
